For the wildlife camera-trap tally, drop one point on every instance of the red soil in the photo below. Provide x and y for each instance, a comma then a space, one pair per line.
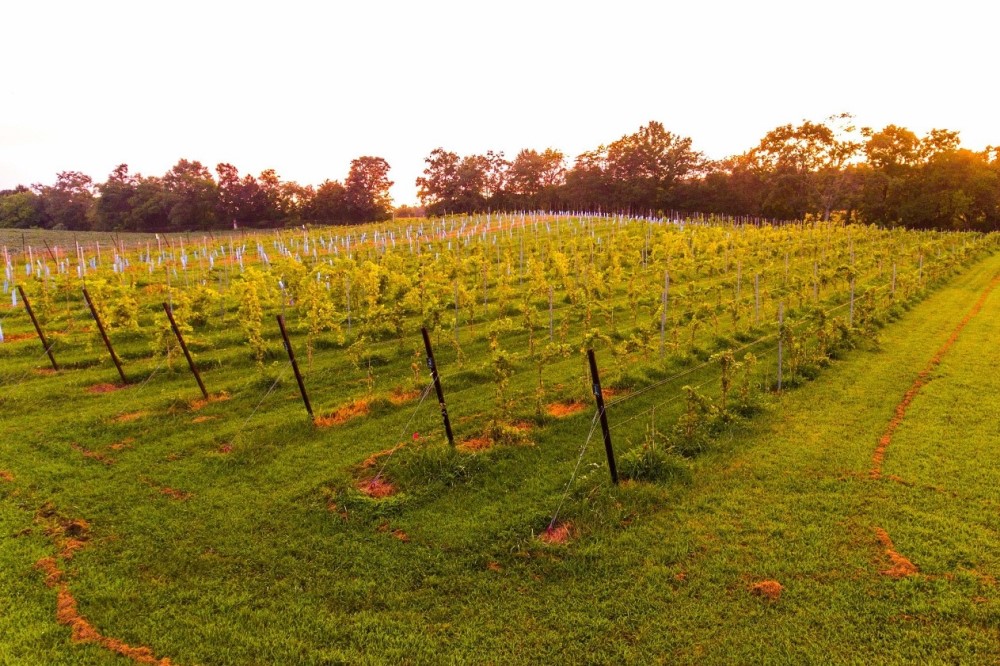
985, 579
50, 568
333, 508
226, 448
69, 536
377, 488
396, 534
93, 455
70, 546
104, 388
84, 632
401, 397
173, 493
475, 444
901, 567
557, 534
898, 479
922, 378
18, 337
203, 419
494, 566
344, 414
213, 397
6, 476
126, 418
769, 589
373, 459
561, 409
124, 444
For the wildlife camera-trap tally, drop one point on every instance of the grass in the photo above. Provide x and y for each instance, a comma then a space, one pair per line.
272, 555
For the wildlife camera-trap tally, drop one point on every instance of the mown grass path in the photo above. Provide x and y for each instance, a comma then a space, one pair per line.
245, 564
797, 505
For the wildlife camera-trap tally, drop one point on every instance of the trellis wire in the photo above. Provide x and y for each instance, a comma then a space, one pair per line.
579, 459
406, 427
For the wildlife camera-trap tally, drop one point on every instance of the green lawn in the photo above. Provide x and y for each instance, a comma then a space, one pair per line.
274, 558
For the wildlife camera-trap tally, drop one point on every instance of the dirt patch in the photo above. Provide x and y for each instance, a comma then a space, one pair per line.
883, 443
124, 444
128, 418
175, 494
6, 476
475, 444
377, 488
104, 388
50, 567
613, 392
400, 397
203, 419
167, 491
898, 479
494, 566
985, 579
221, 396
83, 631
878, 458
18, 337
70, 546
45, 372
768, 589
93, 455
373, 459
563, 409
559, 533
332, 507
226, 448
901, 567
396, 534
69, 535
344, 414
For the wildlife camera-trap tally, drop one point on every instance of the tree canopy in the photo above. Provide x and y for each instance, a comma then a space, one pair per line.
890, 177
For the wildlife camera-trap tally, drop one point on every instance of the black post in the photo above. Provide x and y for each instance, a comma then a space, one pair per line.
187, 354
599, 397
295, 366
51, 254
437, 385
38, 329
104, 336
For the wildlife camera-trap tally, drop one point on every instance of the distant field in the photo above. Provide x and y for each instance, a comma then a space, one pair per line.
16, 239
849, 516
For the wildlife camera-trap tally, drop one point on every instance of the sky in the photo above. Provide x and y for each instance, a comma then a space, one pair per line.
305, 87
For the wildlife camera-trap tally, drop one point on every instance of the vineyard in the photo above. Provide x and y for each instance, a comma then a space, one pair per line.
183, 486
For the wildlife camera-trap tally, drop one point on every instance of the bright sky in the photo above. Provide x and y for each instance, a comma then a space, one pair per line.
305, 87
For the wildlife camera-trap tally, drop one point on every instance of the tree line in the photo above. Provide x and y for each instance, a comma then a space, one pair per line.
890, 177
189, 197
